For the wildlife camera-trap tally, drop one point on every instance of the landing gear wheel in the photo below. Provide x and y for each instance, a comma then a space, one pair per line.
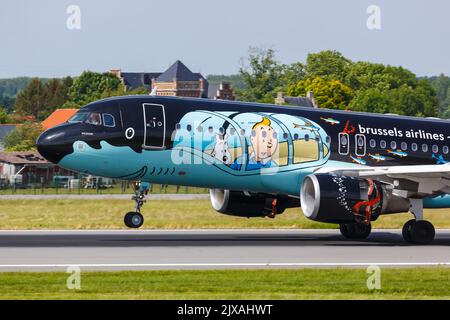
422, 232
355, 230
133, 220
406, 230
418, 232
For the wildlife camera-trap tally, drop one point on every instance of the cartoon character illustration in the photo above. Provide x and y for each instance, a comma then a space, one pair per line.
358, 160
377, 157
221, 149
264, 141
330, 121
398, 153
439, 159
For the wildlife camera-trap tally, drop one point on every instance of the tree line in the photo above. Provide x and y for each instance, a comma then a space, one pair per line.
340, 83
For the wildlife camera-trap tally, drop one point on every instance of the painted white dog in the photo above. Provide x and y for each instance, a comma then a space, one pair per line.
221, 150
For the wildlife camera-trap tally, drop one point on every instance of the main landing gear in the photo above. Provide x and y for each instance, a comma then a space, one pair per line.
134, 219
418, 231
356, 230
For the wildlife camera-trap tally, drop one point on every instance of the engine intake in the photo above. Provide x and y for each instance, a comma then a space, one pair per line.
343, 199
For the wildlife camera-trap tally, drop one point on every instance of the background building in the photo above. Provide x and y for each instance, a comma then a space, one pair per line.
223, 91
308, 101
177, 80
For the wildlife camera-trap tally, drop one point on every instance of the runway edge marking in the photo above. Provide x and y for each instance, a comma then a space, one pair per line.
293, 264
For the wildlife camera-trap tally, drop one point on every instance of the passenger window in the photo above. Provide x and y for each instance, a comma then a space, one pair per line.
189, 127
414, 146
94, 118
108, 120
445, 149
360, 149
404, 146
424, 147
343, 143
393, 145
177, 126
372, 143
383, 144
435, 148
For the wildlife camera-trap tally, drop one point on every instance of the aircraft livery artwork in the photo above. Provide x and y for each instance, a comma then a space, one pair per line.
257, 159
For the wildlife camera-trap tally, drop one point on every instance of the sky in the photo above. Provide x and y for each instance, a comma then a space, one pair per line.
39, 38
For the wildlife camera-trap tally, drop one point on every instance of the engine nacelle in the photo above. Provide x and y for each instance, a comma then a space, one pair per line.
342, 199
236, 203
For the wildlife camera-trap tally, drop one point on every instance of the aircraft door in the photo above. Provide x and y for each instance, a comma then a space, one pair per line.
154, 126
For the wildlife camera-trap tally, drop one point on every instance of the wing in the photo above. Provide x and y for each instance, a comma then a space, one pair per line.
406, 181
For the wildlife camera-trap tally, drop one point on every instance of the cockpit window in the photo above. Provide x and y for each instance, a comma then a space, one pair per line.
108, 120
94, 118
78, 117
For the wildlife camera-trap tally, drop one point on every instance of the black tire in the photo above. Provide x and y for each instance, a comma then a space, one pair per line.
344, 231
406, 230
355, 230
133, 220
422, 232
361, 230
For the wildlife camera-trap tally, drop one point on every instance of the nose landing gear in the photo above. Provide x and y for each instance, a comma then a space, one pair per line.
134, 219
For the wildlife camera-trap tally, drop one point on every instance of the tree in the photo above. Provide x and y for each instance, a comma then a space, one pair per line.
40, 98
31, 100
23, 137
331, 94
441, 85
91, 86
365, 75
4, 116
329, 64
372, 100
261, 77
405, 100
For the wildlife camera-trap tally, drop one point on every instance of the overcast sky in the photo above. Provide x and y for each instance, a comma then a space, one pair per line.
212, 36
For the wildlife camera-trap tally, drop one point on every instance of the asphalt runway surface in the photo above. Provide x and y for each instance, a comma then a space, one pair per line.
212, 249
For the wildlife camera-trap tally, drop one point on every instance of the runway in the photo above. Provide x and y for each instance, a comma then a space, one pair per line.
211, 249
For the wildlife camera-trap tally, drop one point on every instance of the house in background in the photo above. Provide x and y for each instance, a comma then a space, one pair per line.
28, 167
4, 130
308, 101
223, 91
177, 80
57, 117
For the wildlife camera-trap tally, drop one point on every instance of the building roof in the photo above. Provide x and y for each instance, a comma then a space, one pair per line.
5, 129
57, 117
180, 72
23, 157
299, 101
135, 80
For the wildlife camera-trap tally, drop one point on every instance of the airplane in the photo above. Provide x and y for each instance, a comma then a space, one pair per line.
257, 164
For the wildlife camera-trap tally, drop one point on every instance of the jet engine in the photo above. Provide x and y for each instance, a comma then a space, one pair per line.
237, 203
342, 199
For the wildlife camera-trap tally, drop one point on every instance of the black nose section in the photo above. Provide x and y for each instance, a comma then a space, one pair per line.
53, 145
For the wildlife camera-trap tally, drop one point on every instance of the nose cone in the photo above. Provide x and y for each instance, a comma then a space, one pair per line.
53, 145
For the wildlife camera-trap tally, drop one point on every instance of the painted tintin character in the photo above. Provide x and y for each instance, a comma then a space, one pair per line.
264, 141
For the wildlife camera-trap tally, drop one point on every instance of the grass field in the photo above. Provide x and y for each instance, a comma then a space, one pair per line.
417, 283
188, 214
